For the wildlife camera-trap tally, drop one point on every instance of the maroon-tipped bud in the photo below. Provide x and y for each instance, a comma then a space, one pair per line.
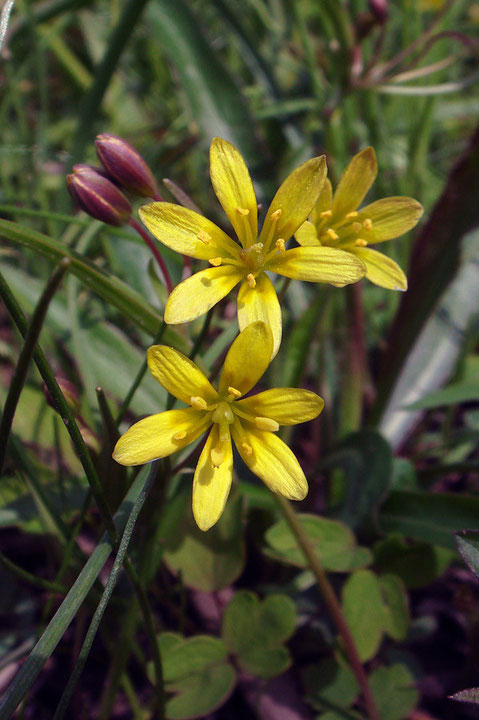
70, 393
98, 196
380, 9
125, 165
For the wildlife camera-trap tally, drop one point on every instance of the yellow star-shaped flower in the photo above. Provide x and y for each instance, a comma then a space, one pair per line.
192, 234
251, 422
337, 223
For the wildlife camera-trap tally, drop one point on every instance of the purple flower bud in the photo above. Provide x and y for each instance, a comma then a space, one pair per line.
98, 196
380, 9
125, 165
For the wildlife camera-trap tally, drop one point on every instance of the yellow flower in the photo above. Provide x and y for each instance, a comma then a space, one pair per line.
251, 422
191, 234
337, 223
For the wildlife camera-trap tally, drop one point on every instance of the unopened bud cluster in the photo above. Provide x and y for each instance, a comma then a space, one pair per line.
97, 190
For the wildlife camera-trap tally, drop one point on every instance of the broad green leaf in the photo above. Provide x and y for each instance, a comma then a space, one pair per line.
394, 691
186, 657
330, 684
255, 631
364, 611
458, 392
333, 541
418, 564
396, 609
207, 561
467, 542
428, 517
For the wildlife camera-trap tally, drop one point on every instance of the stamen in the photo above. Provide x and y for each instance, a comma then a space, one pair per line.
242, 211
247, 448
198, 402
360, 242
204, 237
233, 391
179, 435
216, 261
352, 214
275, 216
326, 213
333, 235
357, 227
264, 423
280, 245
251, 280
368, 224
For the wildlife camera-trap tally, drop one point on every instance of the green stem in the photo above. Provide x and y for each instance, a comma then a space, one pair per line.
331, 601
31, 339
24, 575
355, 365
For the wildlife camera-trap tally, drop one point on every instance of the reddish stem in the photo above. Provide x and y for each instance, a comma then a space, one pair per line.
151, 244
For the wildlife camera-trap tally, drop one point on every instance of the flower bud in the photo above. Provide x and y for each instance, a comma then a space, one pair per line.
98, 196
125, 165
380, 9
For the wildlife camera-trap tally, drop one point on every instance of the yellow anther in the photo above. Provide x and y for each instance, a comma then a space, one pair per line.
360, 242
247, 448
233, 391
368, 224
280, 244
351, 215
276, 215
251, 280
326, 213
264, 423
357, 227
216, 261
179, 435
333, 235
198, 402
242, 211
204, 237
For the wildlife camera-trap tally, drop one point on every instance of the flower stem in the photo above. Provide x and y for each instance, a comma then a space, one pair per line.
156, 253
332, 603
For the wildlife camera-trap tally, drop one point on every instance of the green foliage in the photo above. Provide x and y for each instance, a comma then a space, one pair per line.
330, 684
417, 563
395, 691
255, 632
468, 545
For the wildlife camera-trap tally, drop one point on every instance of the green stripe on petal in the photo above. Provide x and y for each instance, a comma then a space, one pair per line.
318, 264
154, 436
179, 375
287, 406
248, 358
381, 270
354, 184
186, 232
211, 484
197, 294
260, 304
268, 457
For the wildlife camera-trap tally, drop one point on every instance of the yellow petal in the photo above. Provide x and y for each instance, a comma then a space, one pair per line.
154, 436
197, 294
234, 189
306, 235
381, 270
179, 375
271, 460
354, 184
318, 264
324, 203
186, 232
247, 358
211, 484
294, 201
287, 406
260, 303
391, 217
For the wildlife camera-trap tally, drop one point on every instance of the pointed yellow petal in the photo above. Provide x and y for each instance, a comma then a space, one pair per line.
390, 217
306, 235
260, 303
318, 264
287, 406
234, 189
294, 201
211, 485
354, 184
271, 460
197, 294
186, 232
158, 436
381, 270
324, 203
179, 375
247, 358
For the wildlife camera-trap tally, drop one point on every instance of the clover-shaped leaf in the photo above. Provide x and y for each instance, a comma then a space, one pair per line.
394, 691
255, 632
